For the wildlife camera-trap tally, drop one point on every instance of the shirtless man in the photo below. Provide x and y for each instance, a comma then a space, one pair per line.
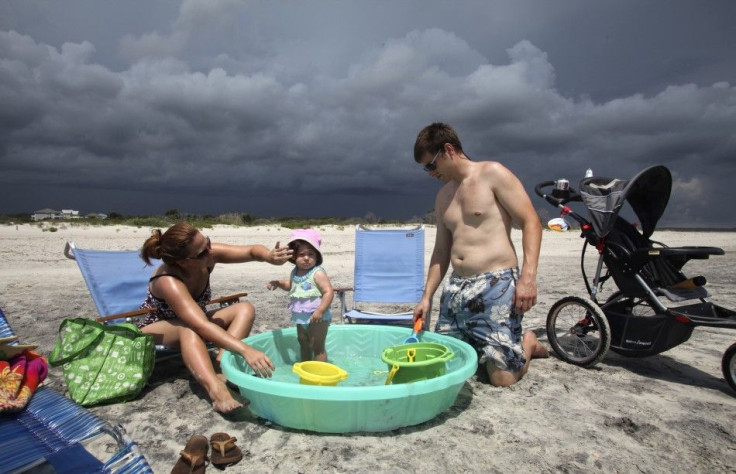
486, 296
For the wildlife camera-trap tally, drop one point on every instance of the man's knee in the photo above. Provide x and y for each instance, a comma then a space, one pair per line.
502, 378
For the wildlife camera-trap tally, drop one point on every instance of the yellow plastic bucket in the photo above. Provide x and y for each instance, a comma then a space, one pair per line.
319, 373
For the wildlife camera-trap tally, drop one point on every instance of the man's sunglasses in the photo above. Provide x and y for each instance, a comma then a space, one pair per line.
431, 166
204, 253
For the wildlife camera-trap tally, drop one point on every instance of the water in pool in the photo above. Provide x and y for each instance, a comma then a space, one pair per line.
362, 371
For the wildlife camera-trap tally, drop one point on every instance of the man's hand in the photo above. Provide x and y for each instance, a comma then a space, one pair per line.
423, 308
526, 294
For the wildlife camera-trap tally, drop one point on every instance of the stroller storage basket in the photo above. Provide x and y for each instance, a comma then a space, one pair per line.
640, 336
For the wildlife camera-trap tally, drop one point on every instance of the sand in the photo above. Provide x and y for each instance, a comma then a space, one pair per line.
667, 413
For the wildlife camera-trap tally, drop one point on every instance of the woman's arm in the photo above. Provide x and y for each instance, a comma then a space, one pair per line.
177, 296
227, 253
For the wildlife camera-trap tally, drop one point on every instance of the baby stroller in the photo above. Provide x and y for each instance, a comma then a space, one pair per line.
656, 307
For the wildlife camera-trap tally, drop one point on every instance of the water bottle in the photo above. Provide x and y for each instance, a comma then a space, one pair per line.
589, 173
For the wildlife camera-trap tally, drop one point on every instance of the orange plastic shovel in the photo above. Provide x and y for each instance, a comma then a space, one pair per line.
417, 327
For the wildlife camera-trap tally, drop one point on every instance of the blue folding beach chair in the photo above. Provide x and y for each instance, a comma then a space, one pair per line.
117, 280
48, 435
388, 276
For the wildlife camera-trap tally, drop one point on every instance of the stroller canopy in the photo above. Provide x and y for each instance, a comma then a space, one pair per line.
648, 193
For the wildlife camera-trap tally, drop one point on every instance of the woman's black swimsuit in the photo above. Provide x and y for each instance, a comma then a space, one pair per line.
163, 310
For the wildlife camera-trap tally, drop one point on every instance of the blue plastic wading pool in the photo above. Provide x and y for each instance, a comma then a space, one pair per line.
361, 402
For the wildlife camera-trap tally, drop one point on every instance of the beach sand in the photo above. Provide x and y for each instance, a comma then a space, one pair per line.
667, 413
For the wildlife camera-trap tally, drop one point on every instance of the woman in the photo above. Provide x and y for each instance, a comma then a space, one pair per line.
179, 291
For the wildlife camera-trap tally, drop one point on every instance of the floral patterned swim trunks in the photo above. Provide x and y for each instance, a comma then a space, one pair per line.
480, 311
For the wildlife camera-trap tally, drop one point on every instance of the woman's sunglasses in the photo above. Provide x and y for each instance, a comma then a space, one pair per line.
204, 253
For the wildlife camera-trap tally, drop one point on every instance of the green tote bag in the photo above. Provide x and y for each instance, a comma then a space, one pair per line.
103, 363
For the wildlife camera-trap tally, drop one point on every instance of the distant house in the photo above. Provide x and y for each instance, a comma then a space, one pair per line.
69, 214
45, 214
96, 215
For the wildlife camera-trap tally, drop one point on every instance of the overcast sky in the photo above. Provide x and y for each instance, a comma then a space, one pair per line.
311, 108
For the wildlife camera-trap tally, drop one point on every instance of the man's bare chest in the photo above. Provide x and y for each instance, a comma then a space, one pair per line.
470, 206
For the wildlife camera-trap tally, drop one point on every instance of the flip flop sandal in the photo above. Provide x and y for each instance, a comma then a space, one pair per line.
224, 450
193, 459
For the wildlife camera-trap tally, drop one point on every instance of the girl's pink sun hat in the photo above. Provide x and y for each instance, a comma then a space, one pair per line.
310, 236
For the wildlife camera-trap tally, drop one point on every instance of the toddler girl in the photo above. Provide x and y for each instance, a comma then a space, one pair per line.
310, 294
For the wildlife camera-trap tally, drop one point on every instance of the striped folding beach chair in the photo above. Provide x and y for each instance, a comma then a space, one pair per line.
50, 433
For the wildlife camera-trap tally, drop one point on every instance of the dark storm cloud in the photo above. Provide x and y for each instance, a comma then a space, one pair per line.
292, 108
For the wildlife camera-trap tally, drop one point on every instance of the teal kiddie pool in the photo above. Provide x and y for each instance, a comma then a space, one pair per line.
361, 402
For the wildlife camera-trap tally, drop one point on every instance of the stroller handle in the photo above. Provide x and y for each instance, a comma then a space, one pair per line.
544, 184
558, 198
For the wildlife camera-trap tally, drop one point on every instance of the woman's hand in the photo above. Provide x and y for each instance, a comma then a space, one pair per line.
316, 317
279, 255
259, 362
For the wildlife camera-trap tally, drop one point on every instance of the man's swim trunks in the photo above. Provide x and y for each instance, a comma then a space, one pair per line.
480, 311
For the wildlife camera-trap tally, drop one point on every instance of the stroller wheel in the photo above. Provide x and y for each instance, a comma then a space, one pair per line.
728, 364
578, 331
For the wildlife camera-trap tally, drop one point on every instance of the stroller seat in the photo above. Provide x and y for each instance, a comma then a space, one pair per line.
659, 266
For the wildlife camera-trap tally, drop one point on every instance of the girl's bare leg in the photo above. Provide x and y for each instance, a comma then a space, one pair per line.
317, 334
305, 342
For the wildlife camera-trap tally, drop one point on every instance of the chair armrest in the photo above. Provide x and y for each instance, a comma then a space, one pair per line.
223, 301
341, 290
128, 314
228, 300
69, 250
